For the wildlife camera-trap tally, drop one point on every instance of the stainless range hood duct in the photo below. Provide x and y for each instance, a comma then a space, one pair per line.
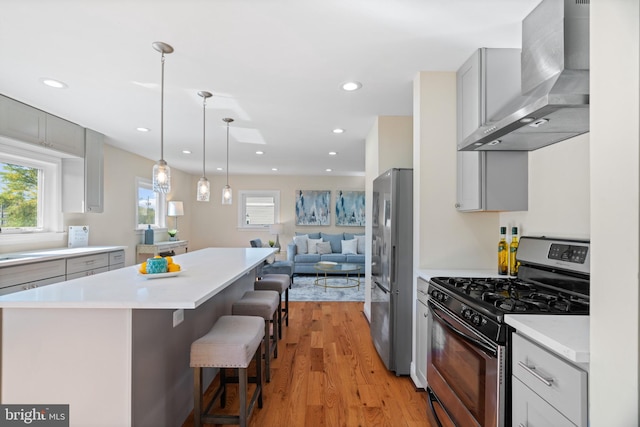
554, 104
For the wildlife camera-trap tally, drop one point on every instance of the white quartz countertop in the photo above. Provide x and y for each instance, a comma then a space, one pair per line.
19, 258
564, 334
205, 273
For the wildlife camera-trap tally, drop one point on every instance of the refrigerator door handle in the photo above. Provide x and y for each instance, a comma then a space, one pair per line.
393, 264
379, 285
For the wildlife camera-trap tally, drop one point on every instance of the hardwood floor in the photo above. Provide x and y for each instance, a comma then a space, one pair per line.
328, 374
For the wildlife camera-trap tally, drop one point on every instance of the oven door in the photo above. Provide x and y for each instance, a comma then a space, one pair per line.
464, 371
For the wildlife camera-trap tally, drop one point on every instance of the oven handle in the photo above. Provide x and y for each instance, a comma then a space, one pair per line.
431, 396
462, 335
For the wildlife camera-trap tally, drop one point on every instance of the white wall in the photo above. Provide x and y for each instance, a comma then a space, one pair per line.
215, 225
447, 238
558, 192
116, 225
615, 213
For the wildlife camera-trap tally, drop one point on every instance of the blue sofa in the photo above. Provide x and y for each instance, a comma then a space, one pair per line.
303, 262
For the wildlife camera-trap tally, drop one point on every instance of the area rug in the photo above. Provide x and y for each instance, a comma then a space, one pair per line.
303, 289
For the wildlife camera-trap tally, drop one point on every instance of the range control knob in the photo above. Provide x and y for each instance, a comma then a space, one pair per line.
476, 320
467, 313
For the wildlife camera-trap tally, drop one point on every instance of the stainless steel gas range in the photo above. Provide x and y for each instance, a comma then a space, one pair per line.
468, 357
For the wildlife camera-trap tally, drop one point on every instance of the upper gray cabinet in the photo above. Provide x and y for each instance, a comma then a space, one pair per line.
488, 180
83, 178
24, 123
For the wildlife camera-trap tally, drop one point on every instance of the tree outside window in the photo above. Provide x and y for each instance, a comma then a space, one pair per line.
18, 196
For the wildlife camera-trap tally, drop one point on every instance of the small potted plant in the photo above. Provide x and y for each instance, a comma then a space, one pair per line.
172, 234
271, 243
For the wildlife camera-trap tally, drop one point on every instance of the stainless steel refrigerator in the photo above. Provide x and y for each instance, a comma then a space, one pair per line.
392, 268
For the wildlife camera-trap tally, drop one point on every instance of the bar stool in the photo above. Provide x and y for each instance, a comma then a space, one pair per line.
231, 343
279, 283
262, 304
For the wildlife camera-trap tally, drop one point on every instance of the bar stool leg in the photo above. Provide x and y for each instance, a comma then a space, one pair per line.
242, 374
197, 391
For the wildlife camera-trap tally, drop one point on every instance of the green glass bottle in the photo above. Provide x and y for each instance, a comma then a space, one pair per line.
503, 252
513, 250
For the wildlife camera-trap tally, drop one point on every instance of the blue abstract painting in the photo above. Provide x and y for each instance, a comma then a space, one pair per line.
350, 208
313, 207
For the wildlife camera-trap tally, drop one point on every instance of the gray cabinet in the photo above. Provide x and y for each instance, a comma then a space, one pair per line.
27, 124
87, 265
488, 180
40, 273
83, 178
116, 260
31, 275
547, 389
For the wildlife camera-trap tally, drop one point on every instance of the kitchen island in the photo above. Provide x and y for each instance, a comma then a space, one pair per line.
115, 346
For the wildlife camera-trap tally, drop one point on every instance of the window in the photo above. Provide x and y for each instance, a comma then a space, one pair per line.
149, 205
258, 209
29, 191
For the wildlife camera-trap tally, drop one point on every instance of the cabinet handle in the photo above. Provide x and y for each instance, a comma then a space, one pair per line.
457, 205
425, 314
532, 371
521, 425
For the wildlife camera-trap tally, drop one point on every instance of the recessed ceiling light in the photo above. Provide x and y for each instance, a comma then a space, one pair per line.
54, 83
274, 169
186, 152
338, 130
351, 86
259, 153
527, 120
328, 170
142, 129
218, 169
332, 153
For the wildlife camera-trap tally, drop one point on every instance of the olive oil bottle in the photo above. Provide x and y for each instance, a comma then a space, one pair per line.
513, 249
503, 252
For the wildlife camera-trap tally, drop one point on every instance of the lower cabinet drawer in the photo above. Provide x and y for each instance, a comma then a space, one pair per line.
116, 266
116, 257
552, 378
27, 273
30, 285
529, 409
87, 273
85, 263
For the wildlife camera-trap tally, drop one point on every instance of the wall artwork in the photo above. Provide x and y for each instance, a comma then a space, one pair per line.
350, 208
313, 207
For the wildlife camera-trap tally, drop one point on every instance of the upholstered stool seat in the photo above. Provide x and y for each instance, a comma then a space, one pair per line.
263, 304
279, 283
231, 343
279, 267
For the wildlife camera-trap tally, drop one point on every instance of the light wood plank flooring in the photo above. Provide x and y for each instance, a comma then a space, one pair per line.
328, 374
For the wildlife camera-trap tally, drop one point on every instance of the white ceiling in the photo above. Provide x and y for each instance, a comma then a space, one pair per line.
276, 67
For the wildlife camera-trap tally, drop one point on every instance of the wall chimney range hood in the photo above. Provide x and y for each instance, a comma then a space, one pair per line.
554, 104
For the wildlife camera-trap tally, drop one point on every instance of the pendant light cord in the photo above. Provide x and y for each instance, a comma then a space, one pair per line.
204, 117
227, 153
162, 109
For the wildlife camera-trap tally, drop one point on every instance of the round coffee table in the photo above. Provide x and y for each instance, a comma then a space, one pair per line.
337, 268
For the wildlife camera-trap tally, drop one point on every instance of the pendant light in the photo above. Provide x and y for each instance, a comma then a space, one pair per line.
161, 171
203, 191
227, 193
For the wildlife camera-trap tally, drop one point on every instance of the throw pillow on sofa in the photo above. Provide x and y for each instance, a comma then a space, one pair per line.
334, 239
323, 248
302, 243
361, 243
311, 245
349, 247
